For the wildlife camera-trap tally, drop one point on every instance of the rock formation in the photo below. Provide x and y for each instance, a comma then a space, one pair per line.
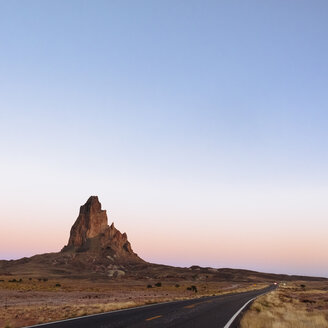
91, 233
91, 221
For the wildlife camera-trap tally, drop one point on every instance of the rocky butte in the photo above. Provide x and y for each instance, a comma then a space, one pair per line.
96, 250
91, 233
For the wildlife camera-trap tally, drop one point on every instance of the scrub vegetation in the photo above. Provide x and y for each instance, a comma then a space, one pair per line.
27, 301
292, 305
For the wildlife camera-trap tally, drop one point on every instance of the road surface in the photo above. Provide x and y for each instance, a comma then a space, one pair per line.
206, 312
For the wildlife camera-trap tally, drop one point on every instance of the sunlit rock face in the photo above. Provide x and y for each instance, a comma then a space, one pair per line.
91, 233
91, 222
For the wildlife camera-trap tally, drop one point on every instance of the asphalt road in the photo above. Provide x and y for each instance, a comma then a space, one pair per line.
215, 311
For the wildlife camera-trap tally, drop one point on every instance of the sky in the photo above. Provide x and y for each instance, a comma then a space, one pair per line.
201, 126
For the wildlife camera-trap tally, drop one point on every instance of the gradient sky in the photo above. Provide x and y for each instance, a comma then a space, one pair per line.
201, 126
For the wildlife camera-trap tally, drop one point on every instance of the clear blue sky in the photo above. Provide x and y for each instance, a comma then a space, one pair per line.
202, 115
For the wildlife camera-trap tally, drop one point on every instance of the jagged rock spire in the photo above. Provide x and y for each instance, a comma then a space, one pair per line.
91, 233
91, 221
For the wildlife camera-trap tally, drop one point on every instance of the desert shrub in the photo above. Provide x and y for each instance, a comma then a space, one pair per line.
177, 285
45, 279
158, 284
12, 280
303, 286
58, 285
29, 279
149, 286
308, 301
194, 288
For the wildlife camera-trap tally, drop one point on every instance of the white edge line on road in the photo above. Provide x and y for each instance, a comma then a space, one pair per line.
127, 309
99, 314
228, 324
104, 313
236, 314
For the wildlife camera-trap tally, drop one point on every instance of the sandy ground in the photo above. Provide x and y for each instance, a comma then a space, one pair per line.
36, 301
300, 304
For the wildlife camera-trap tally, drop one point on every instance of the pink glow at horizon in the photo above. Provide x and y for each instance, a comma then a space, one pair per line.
181, 240
278, 257
202, 129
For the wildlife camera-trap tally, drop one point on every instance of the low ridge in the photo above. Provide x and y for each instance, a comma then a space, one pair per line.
97, 250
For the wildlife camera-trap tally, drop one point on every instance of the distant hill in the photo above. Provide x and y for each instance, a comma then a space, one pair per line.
97, 250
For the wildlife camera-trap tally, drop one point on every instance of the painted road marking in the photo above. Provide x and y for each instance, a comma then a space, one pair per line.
193, 305
104, 314
101, 314
153, 318
242, 308
235, 315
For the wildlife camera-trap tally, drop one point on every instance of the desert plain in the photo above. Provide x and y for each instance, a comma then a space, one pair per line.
97, 271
